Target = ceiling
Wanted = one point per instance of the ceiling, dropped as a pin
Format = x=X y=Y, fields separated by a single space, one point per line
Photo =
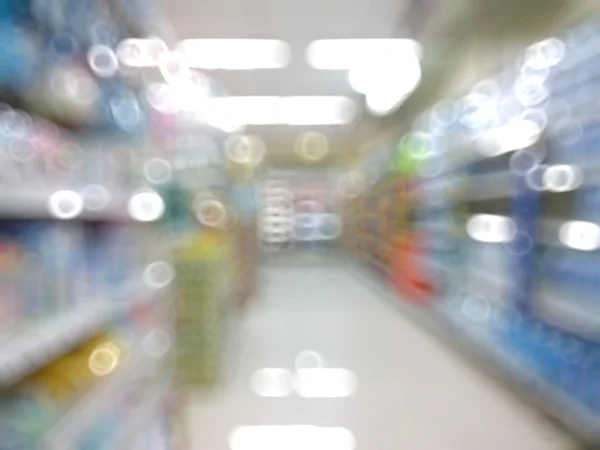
x=444 y=27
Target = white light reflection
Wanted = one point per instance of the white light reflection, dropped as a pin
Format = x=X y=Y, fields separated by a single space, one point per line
x=312 y=146
x=291 y=437
x=174 y=68
x=104 y=359
x=524 y=161
x=232 y=113
x=248 y=150
x=444 y=113
x=65 y=204
x=158 y=171
x=491 y=228
x=579 y=235
x=146 y=206
x=158 y=274
x=544 y=54
x=161 y=97
x=210 y=211
x=316 y=110
x=479 y=112
x=103 y=61
x=531 y=90
x=141 y=52
x=562 y=178
x=344 y=54
x=386 y=82
x=157 y=343
x=235 y=54
x=535 y=177
x=516 y=135
x=325 y=383
x=272 y=382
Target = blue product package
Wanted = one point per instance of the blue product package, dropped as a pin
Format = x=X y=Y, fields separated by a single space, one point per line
x=116 y=255
x=63 y=259
x=63 y=46
x=29 y=235
x=18 y=10
x=94 y=262
x=81 y=16
x=19 y=58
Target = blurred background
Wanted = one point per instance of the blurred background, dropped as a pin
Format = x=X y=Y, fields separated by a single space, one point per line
x=290 y=225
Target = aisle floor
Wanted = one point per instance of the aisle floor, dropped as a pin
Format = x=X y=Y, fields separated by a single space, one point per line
x=412 y=392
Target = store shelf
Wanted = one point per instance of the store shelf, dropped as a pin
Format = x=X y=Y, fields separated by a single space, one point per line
x=547 y=398
x=40 y=342
x=81 y=416
x=143 y=414
x=34 y=203
x=570 y=316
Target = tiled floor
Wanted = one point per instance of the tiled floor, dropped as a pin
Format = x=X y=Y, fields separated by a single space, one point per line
x=412 y=392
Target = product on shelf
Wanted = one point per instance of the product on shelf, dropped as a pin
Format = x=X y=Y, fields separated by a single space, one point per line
x=499 y=210
x=204 y=298
x=29 y=410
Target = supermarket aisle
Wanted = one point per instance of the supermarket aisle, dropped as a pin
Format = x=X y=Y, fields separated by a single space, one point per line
x=412 y=392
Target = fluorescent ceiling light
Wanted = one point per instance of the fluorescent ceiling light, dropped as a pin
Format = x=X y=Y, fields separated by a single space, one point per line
x=291 y=437
x=235 y=54
x=386 y=82
x=174 y=98
x=343 y=54
x=272 y=110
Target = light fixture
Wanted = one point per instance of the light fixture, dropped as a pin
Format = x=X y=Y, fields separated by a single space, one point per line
x=491 y=228
x=273 y=110
x=235 y=54
x=291 y=437
x=343 y=54
x=579 y=235
x=179 y=97
x=386 y=80
x=325 y=383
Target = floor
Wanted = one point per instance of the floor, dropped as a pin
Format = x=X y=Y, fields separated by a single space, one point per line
x=345 y=362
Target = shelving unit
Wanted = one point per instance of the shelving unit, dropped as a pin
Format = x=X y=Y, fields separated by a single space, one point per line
x=65 y=435
x=48 y=203
x=26 y=350
x=514 y=291
x=87 y=233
